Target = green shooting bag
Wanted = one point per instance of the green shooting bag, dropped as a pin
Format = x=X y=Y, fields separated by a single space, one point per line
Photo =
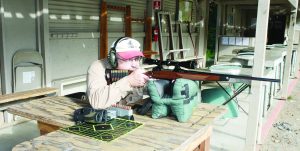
x=179 y=97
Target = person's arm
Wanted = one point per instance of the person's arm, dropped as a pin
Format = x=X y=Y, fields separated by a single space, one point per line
x=99 y=93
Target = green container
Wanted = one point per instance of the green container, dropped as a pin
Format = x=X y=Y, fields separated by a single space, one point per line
x=218 y=96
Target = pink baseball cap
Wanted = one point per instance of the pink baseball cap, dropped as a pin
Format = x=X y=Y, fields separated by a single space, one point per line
x=128 y=48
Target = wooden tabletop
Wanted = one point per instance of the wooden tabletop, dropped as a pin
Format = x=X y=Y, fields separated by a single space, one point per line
x=56 y=110
x=26 y=94
x=155 y=134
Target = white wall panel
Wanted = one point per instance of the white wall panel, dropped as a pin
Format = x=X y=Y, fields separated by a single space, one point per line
x=19 y=31
x=72 y=57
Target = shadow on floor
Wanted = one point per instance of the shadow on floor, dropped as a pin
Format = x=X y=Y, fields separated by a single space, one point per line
x=11 y=136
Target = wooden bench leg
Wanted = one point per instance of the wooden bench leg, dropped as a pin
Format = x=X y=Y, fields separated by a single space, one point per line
x=204 y=146
x=46 y=128
x=204 y=141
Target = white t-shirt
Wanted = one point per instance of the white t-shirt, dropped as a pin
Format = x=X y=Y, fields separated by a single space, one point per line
x=102 y=95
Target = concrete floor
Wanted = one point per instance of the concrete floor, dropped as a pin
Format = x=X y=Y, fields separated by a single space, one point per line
x=284 y=133
x=13 y=135
x=230 y=134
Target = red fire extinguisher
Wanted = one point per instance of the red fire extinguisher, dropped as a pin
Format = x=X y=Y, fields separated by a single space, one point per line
x=155 y=33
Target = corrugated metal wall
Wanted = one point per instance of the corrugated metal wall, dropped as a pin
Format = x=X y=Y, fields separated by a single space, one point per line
x=73 y=15
x=83 y=15
x=170 y=6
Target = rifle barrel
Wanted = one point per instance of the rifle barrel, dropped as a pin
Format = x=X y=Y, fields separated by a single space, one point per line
x=239 y=76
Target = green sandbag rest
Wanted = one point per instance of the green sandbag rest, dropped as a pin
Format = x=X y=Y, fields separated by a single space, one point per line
x=181 y=102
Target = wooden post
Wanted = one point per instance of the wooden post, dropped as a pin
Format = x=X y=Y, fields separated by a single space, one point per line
x=160 y=42
x=297 y=58
x=148 y=36
x=287 y=69
x=255 y=116
x=171 y=43
x=158 y=16
x=201 y=39
x=218 y=30
x=128 y=32
x=44 y=43
x=46 y=128
x=180 y=41
x=103 y=31
x=148 y=31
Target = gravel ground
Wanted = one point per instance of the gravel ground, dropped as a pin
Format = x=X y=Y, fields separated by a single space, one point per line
x=285 y=133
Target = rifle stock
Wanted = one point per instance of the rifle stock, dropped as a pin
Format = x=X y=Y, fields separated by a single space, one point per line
x=171 y=75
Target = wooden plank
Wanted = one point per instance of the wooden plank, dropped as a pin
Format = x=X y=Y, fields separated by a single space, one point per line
x=128 y=31
x=172 y=134
x=160 y=41
x=170 y=30
x=202 y=35
x=199 y=143
x=116 y=8
x=138 y=20
x=180 y=40
x=297 y=58
x=46 y=128
x=148 y=52
x=148 y=37
x=287 y=65
x=255 y=119
x=60 y=140
x=58 y=110
x=103 y=23
x=103 y=31
x=26 y=94
x=55 y=110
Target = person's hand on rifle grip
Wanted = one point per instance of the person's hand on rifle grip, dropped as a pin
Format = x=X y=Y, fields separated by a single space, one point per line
x=137 y=78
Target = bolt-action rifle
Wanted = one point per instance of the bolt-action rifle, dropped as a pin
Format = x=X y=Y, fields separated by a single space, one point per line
x=181 y=71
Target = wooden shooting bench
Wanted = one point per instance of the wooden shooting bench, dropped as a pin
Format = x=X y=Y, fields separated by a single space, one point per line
x=154 y=134
x=7 y=100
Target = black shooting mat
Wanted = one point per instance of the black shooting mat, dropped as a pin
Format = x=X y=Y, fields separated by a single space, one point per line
x=107 y=131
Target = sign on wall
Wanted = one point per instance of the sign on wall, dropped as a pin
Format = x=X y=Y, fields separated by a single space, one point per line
x=156 y=4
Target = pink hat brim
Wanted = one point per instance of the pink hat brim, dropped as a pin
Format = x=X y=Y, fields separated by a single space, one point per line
x=130 y=54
